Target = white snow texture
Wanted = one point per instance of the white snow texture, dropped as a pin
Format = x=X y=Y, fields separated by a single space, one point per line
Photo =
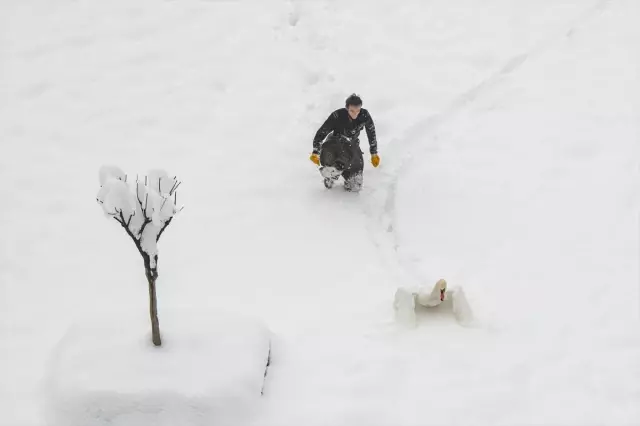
x=508 y=133
x=210 y=371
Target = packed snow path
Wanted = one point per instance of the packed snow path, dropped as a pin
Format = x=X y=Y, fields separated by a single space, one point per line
x=509 y=145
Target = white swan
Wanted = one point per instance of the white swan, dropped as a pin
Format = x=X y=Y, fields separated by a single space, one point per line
x=435 y=297
x=407 y=300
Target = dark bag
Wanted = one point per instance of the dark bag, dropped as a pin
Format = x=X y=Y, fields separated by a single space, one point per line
x=336 y=153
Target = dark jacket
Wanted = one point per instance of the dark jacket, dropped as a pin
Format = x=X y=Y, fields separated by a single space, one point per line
x=340 y=123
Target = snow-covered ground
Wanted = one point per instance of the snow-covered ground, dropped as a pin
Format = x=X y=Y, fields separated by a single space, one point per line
x=509 y=135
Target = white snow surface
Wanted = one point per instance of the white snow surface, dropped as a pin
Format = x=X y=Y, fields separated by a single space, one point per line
x=509 y=143
x=210 y=370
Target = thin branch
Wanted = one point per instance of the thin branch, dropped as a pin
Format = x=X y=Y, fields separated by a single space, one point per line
x=131 y=217
x=143 y=207
x=136 y=241
x=163 y=228
x=121 y=219
x=138 y=194
x=173 y=188
x=147 y=219
x=146 y=204
x=144 y=225
x=115 y=212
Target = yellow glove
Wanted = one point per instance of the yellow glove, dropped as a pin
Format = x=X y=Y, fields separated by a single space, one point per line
x=375 y=160
x=315 y=158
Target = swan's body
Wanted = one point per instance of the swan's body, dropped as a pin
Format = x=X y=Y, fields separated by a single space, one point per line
x=408 y=300
x=435 y=297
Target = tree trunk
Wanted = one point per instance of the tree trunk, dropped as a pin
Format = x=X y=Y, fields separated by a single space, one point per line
x=153 y=309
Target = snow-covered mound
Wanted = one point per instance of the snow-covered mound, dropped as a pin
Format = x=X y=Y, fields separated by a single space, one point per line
x=210 y=370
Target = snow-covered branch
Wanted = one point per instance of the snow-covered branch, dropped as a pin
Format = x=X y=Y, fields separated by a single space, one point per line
x=144 y=207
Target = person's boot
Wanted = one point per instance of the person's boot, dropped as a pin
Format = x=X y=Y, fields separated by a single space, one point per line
x=353 y=183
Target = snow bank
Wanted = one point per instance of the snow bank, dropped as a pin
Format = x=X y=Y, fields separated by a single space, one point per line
x=210 y=370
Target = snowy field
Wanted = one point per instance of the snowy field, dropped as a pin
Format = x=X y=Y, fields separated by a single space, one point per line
x=509 y=137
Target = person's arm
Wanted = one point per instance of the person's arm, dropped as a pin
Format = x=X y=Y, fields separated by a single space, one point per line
x=324 y=130
x=370 y=128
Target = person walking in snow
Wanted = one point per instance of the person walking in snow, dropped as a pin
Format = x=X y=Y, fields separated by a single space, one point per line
x=342 y=148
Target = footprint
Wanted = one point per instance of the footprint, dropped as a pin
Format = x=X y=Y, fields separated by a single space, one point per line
x=294 y=14
x=294 y=18
x=313 y=78
x=35 y=90
x=79 y=41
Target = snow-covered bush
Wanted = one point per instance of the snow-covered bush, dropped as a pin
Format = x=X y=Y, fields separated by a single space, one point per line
x=144 y=209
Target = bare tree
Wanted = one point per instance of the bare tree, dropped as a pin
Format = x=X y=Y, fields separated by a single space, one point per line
x=144 y=210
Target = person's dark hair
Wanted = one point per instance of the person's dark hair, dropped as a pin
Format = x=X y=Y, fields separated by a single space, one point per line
x=353 y=100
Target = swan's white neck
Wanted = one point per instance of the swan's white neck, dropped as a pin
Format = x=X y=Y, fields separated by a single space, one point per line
x=436 y=296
